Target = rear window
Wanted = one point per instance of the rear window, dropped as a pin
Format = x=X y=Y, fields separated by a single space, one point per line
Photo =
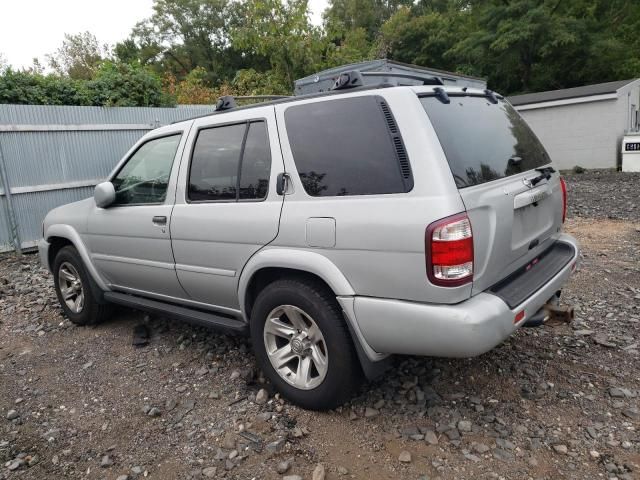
x=483 y=141
x=348 y=146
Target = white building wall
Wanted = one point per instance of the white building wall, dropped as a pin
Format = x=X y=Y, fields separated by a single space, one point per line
x=584 y=134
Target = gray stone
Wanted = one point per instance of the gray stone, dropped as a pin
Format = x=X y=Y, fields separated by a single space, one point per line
x=275 y=446
x=561 y=449
x=452 y=434
x=464 y=426
x=106 y=461
x=504 y=443
x=154 y=412
x=404 y=457
x=503 y=455
x=480 y=447
x=16 y=464
x=262 y=397
x=471 y=457
x=283 y=467
x=430 y=437
x=631 y=413
x=583 y=333
x=12 y=415
x=292 y=477
x=371 y=412
x=209 y=472
x=318 y=472
x=123 y=477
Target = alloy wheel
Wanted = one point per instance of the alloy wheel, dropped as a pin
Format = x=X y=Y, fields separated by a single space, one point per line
x=296 y=347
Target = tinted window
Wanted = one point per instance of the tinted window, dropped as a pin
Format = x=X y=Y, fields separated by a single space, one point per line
x=483 y=141
x=256 y=163
x=344 y=147
x=145 y=176
x=221 y=154
x=214 y=165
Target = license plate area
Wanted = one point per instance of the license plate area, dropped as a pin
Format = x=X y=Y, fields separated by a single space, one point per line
x=532 y=222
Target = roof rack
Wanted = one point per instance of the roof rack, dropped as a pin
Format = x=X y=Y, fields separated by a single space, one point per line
x=230 y=104
x=354 y=78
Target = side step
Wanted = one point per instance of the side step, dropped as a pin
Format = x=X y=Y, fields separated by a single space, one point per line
x=198 y=317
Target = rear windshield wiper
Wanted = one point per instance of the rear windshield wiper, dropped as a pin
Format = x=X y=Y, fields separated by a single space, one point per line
x=545 y=174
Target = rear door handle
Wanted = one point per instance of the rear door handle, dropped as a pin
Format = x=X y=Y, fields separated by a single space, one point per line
x=160 y=220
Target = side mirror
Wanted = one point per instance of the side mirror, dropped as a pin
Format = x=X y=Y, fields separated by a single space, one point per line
x=104 y=194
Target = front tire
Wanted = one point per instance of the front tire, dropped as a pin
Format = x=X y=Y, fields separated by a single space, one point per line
x=74 y=288
x=303 y=345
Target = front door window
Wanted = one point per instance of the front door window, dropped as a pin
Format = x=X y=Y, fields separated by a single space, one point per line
x=145 y=176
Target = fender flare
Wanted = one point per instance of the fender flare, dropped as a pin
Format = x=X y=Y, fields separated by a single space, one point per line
x=69 y=233
x=303 y=260
x=372 y=362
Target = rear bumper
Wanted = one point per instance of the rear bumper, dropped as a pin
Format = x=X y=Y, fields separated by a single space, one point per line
x=466 y=329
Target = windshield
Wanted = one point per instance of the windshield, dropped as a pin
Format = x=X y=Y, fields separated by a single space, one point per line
x=483 y=141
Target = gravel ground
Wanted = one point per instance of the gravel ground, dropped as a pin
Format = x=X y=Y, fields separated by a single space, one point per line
x=550 y=403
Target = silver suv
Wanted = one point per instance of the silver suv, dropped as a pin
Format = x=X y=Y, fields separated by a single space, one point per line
x=335 y=229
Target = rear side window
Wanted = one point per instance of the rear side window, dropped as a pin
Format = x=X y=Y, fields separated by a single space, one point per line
x=483 y=141
x=230 y=162
x=348 y=146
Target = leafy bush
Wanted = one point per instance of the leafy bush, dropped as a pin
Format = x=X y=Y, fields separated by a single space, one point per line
x=114 y=85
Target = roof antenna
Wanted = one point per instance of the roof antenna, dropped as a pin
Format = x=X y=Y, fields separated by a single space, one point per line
x=491 y=95
x=226 y=102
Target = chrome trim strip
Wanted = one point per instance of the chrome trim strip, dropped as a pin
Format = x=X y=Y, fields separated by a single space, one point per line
x=133 y=261
x=206 y=270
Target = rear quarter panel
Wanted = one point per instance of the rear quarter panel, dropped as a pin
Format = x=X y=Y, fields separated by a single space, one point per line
x=379 y=239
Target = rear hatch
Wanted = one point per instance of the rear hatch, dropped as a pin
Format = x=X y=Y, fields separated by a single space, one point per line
x=512 y=194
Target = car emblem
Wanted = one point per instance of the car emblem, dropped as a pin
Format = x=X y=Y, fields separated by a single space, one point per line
x=527 y=182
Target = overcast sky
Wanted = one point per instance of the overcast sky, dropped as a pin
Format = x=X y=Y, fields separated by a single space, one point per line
x=33 y=28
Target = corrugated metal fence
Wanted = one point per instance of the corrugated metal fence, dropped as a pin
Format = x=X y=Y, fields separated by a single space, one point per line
x=52 y=155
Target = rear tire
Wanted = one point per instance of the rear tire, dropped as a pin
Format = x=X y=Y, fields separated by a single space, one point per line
x=75 y=289
x=303 y=345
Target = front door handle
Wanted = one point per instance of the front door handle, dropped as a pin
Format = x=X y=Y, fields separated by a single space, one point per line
x=160 y=220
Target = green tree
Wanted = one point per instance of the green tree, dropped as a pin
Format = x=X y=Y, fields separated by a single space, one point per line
x=126 y=85
x=79 y=56
x=281 y=32
x=522 y=45
x=182 y=35
x=342 y=16
x=425 y=38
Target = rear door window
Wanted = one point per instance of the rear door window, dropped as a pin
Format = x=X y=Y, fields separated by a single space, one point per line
x=230 y=163
x=483 y=141
x=348 y=146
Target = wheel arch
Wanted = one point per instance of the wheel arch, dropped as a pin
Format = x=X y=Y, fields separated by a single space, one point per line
x=268 y=265
x=58 y=236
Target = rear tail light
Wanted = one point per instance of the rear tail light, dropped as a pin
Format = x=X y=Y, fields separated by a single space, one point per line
x=563 y=186
x=449 y=251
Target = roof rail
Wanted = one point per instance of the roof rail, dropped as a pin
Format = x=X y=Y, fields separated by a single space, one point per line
x=411 y=76
x=227 y=102
x=355 y=78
